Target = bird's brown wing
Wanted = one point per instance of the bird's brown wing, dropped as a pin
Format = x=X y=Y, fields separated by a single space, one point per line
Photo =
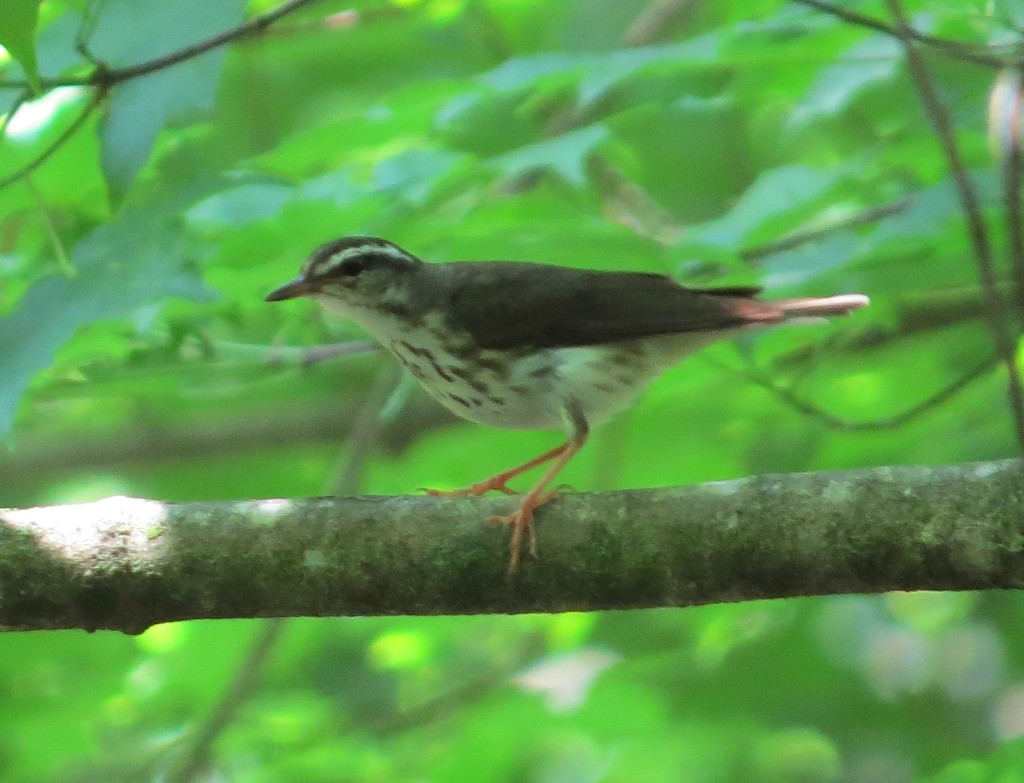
x=508 y=304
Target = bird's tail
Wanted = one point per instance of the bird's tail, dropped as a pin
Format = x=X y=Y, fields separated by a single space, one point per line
x=841 y=304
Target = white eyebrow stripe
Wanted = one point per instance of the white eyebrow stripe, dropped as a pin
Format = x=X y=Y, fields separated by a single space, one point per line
x=332 y=262
x=394 y=252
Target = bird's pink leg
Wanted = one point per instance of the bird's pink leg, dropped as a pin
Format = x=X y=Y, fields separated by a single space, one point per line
x=499 y=481
x=521 y=519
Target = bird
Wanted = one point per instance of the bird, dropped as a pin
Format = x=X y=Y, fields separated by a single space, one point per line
x=521 y=345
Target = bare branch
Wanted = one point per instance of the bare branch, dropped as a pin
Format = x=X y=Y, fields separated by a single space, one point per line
x=798 y=238
x=657 y=17
x=104 y=76
x=242 y=686
x=196 y=754
x=836 y=422
x=955 y=49
x=55 y=145
x=127 y=563
x=996 y=311
x=1005 y=117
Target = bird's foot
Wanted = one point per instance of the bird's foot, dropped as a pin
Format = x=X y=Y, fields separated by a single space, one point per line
x=499 y=481
x=521 y=521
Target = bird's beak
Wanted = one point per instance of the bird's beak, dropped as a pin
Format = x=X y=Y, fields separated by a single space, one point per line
x=290 y=290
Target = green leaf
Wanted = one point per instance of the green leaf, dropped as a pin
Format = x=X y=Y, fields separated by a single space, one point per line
x=241 y=205
x=54 y=50
x=874 y=59
x=690 y=155
x=933 y=208
x=796 y=266
x=119 y=267
x=776 y=192
x=414 y=173
x=140 y=108
x=1011 y=11
x=17 y=34
x=598 y=72
x=566 y=154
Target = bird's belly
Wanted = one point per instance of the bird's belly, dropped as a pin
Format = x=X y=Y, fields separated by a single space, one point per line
x=532 y=389
x=485 y=387
x=605 y=379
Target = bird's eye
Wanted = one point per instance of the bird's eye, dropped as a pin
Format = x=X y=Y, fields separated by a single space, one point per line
x=351 y=267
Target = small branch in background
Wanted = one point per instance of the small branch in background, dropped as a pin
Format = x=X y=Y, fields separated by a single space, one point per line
x=954 y=49
x=281 y=355
x=611 y=452
x=799 y=238
x=1013 y=175
x=366 y=430
x=486 y=27
x=1006 y=135
x=478 y=686
x=197 y=755
x=200 y=437
x=56 y=144
x=923 y=311
x=23 y=97
x=340 y=20
x=995 y=308
x=630 y=205
x=255 y=25
x=318 y=353
x=831 y=420
x=103 y=76
x=653 y=21
x=61 y=253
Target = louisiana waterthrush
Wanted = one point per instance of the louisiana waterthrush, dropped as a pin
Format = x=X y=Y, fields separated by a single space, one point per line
x=532 y=346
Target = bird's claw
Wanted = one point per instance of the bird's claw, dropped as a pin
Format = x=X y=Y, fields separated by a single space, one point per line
x=521 y=521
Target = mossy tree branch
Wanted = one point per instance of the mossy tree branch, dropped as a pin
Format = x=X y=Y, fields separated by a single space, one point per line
x=126 y=563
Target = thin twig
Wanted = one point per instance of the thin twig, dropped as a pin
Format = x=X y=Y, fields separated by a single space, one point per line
x=627 y=203
x=361 y=441
x=656 y=17
x=63 y=262
x=318 y=353
x=22 y=98
x=247 y=679
x=476 y=687
x=55 y=145
x=104 y=76
x=1013 y=173
x=798 y=238
x=304 y=357
x=946 y=46
x=835 y=422
x=366 y=429
x=995 y=307
x=1008 y=146
x=255 y=25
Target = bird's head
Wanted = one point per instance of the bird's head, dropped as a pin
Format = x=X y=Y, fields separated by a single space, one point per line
x=353 y=274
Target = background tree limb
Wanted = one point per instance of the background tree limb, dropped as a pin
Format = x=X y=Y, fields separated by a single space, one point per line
x=126 y=563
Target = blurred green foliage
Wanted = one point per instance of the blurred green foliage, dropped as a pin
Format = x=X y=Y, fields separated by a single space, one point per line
x=727 y=142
